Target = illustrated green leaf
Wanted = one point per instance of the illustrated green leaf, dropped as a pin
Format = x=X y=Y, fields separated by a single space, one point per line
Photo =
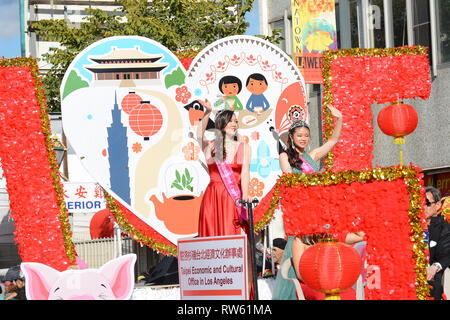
x=177 y=174
x=176 y=185
x=176 y=78
x=184 y=181
x=186 y=172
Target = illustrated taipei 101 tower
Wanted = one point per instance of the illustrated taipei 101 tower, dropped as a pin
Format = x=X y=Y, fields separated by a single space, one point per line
x=118 y=155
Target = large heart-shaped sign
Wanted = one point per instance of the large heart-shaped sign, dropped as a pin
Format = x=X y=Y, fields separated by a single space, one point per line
x=130 y=112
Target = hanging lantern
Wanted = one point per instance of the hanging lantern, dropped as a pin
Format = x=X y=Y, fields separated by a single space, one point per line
x=130 y=101
x=101 y=225
x=398 y=120
x=145 y=120
x=330 y=267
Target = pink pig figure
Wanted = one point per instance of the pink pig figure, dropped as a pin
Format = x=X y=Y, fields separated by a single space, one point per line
x=113 y=281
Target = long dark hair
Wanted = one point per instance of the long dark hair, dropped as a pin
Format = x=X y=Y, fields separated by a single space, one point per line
x=223 y=117
x=293 y=155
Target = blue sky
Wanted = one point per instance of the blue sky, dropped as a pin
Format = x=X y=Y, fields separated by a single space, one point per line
x=9 y=29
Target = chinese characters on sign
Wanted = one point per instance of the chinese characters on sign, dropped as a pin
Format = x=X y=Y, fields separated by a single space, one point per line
x=84 y=197
x=213 y=268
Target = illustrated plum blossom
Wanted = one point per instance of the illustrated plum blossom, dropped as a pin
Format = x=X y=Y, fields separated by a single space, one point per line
x=255 y=188
x=251 y=59
x=137 y=147
x=182 y=94
x=221 y=65
x=277 y=75
x=235 y=59
x=191 y=151
x=266 y=64
x=209 y=76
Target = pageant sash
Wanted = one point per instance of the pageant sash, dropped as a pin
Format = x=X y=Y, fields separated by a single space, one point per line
x=226 y=173
x=306 y=166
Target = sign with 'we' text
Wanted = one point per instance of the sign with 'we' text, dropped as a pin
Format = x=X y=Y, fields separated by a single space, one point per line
x=314 y=31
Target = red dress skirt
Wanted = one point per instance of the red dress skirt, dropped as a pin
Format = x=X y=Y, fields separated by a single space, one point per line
x=218 y=215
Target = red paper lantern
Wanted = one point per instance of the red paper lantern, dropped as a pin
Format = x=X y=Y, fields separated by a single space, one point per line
x=130 y=101
x=330 y=267
x=398 y=120
x=145 y=120
x=101 y=225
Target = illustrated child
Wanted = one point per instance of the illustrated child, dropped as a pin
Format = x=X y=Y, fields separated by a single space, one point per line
x=257 y=84
x=230 y=86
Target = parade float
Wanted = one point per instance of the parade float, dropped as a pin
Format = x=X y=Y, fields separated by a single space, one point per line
x=128 y=107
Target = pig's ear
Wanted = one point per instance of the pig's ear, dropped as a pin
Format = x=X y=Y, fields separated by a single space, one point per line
x=39 y=279
x=120 y=275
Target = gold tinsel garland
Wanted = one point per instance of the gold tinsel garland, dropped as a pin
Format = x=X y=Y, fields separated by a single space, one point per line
x=328 y=178
x=188 y=53
x=329 y=57
x=134 y=232
x=41 y=99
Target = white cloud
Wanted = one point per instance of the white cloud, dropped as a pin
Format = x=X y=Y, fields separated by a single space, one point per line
x=9 y=19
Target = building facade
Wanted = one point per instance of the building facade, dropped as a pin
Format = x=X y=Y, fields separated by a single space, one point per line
x=385 y=24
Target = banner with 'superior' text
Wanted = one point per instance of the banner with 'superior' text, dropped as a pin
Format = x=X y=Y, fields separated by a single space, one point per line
x=213 y=268
x=314 y=31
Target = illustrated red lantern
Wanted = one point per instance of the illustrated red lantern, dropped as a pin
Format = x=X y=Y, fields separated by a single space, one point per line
x=398 y=120
x=145 y=120
x=330 y=267
x=130 y=101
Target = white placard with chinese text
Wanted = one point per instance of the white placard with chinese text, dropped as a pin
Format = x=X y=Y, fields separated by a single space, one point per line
x=213 y=268
x=83 y=197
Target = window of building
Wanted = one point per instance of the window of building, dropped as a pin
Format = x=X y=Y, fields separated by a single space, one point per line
x=400 y=27
x=421 y=22
x=377 y=25
x=381 y=23
x=444 y=31
x=355 y=24
x=421 y=25
x=279 y=24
